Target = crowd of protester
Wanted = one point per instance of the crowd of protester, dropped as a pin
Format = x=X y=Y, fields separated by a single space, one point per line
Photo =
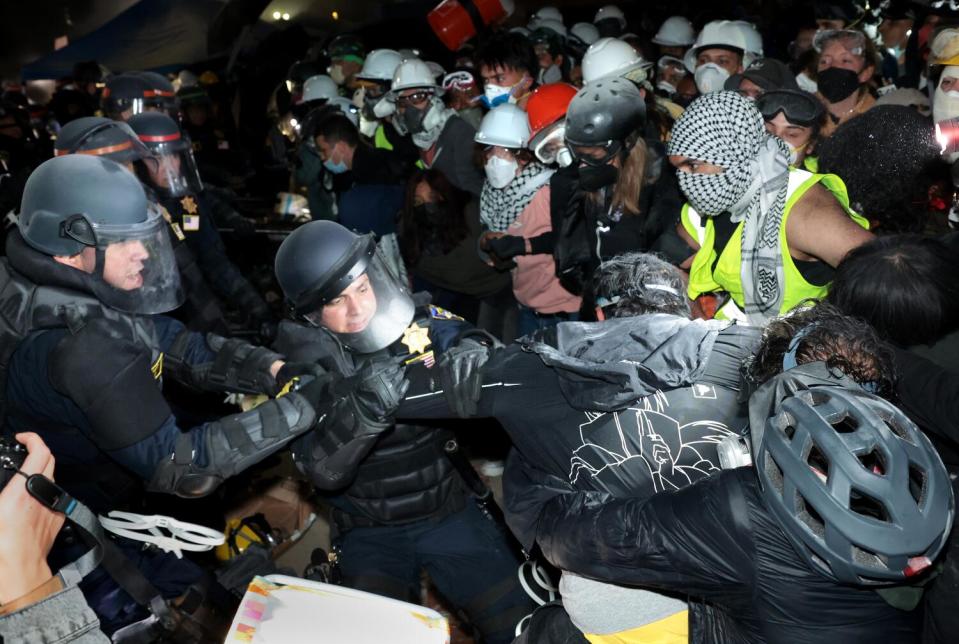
x=706 y=270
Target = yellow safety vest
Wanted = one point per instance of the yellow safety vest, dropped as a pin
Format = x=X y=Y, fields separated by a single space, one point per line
x=706 y=275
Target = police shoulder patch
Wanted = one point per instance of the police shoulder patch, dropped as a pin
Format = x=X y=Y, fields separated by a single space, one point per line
x=438 y=313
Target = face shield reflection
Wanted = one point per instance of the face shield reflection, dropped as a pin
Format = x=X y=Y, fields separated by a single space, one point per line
x=174 y=170
x=136 y=266
x=371 y=311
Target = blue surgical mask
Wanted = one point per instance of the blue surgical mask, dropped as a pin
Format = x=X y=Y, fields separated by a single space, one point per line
x=335 y=168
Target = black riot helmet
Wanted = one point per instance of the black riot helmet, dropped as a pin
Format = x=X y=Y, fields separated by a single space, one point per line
x=98 y=136
x=321 y=262
x=75 y=202
x=125 y=95
x=160 y=94
x=608 y=113
x=175 y=173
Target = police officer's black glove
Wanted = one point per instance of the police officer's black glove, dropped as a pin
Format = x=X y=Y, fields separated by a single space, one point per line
x=460 y=370
x=507 y=247
x=376 y=393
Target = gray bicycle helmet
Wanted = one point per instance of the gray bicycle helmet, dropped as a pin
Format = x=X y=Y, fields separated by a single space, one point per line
x=605 y=113
x=857 y=488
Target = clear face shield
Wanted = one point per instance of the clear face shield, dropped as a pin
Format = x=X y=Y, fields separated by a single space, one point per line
x=135 y=268
x=366 y=308
x=549 y=145
x=174 y=173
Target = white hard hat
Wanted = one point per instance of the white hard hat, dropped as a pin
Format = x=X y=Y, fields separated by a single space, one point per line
x=676 y=31
x=585 y=31
x=611 y=11
x=555 y=26
x=547 y=13
x=754 y=41
x=718 y=33
x=410 y=74
x=520 y=30
x=319 y=87
x=346 y=106
x=610 y=58
x=505 y=125
x=380 y=65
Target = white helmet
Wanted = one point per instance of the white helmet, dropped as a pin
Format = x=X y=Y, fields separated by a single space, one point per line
x=718 y=33
x=676 y=31
x=346 y=106
x=319 y=87
x=584 y=31
x=380 y=65
x=555 y=26
x=547 y=13
x=754 y=41
x=410 y=74
x=523 y=31
x=506 y=126
x=611 y=11
x=611 y=58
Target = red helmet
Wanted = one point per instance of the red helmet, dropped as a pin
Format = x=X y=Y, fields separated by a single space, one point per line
x=547 y=105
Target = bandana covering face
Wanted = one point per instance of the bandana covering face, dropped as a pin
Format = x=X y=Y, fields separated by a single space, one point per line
x=726 y=129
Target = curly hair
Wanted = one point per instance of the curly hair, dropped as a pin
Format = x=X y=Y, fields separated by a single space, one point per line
x=887 y=158
x=843 y=342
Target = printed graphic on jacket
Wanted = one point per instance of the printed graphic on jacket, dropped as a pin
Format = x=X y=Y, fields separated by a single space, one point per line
x=647 y=437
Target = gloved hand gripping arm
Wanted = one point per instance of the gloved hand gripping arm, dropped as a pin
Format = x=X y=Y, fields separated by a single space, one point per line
x=352 y=414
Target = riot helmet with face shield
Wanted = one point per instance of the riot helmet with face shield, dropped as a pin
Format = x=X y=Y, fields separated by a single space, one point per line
x=93 y=212
x=335 y=279
x=174 y=174
x=125 y=95
x=98 y=136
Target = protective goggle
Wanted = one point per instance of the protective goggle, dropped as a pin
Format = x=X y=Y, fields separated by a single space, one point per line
x=799 y=108
x=182 y=535
x=853 y=40
x=586 y=153
x=416 y=99
x=551 y=148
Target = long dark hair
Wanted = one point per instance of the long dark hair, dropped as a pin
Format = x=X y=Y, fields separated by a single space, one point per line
x=418 y=236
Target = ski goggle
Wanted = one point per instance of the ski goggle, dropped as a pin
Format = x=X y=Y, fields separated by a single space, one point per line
x=799 y=108
x=587 y=154
x=853 y=40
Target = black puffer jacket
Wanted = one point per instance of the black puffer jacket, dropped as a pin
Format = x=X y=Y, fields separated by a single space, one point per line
x=715 y=540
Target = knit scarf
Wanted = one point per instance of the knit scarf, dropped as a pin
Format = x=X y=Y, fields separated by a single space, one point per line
x=725 y=129
x=499 y=207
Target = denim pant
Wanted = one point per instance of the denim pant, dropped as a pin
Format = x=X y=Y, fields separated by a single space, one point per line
x=530 y=320
x=467 y=555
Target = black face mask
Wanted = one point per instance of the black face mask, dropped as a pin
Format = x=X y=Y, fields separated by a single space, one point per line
x=430 y=213
x=413 y=118
x=836 y=84
x=593 y=178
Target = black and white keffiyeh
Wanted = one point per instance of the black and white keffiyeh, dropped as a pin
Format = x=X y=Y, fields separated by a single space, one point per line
x=725 y=129
x=499 y=207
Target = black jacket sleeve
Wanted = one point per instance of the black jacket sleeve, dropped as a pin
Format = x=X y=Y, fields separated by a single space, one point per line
x=691 y=541
x=929 y=394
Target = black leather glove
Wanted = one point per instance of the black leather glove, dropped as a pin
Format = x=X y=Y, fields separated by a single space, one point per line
x=376 y=393
x=460 y=371
x=507 y=247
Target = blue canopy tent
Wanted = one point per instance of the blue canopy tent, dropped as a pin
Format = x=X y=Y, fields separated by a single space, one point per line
x=162 y=35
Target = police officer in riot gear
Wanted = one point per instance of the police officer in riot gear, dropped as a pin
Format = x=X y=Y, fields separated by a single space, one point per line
x=399 y=502
x=83 y=351
x=172 y=176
